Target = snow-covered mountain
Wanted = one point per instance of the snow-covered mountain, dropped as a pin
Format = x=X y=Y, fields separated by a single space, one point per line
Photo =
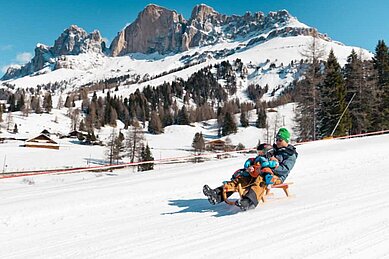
x=160 y=41
x=73 y=41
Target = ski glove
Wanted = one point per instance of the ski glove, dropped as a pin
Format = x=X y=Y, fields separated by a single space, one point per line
x=271 y=164
x=261 y=160
x=268 y=179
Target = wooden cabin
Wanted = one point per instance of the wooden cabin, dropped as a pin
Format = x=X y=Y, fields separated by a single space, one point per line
x=216 y=145
x=42 y=141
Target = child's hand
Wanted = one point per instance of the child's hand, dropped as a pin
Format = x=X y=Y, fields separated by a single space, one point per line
x=250 y=169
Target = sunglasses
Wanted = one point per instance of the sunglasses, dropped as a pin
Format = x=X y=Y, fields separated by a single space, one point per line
x=279 y=139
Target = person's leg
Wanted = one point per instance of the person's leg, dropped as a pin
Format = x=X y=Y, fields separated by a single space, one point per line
x=254 y=194
x=215 y=196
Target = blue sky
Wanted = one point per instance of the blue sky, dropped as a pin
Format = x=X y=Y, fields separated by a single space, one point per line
x=24 y=23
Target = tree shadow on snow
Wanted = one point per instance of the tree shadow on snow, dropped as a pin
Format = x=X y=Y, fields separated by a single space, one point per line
x=95 y=161
x=202 y=206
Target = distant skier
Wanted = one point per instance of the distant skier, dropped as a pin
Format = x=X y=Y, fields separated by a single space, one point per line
x=271 y=166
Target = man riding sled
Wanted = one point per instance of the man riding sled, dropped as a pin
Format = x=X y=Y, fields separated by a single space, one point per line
x=271 y=166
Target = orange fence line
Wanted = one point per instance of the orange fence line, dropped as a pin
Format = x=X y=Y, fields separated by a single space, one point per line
x=123 y=165
x=161 y=161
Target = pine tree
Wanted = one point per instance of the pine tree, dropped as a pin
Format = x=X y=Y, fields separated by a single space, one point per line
x=47 y=103
x=118 y=147
x=155 y=124
x=100 y=113
x=20 y=103
x=370 y=97
x=146 y=156
x=91 y=117
x=244 y=121
x=38 y=108
x=356 y=93
x=229 y=125
x=60 y=102
x=167 y=119
x=12 y=103
x=182 y=117
x=262 y=117
x=332 y=100
x=304 y=111
x=1 y=112
x=381 y=64
x=198 y=143
x=68 y=102
x=113 y=118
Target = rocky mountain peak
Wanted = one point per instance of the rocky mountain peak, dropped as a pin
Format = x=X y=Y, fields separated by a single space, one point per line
x=153 y=9
x=72 y=41
x=202 y=12
x=156 y=29
x=75 y=40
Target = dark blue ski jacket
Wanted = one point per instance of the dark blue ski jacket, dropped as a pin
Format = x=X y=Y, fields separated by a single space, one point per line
x=286 y=158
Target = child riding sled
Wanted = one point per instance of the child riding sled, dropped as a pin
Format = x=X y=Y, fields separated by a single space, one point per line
x=271 y=166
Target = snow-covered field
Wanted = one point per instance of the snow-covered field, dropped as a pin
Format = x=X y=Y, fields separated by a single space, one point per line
x=175 y=142
x=339 y=209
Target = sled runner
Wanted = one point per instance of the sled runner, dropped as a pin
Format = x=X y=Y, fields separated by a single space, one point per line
x=240 y=190
x=283 y=186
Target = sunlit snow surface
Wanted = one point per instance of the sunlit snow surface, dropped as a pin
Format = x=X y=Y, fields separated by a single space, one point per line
x=338 y=209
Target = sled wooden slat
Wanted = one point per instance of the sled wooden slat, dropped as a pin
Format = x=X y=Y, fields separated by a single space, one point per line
x=224 y=194
x=283 y=186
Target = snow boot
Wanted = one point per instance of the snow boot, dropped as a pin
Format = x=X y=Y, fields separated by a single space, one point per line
x=245 y=204
x=211 y=194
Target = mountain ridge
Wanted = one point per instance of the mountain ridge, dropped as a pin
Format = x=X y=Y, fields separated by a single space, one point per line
x=160 y=30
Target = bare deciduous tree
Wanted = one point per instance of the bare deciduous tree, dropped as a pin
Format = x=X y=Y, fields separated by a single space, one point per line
x=313 y=52
x=134 y=141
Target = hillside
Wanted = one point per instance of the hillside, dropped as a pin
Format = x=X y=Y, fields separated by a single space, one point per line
x=338 y=209
x=175 y=142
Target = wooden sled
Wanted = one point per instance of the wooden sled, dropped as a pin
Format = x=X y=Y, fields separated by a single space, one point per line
x=224 y=194
x=283 y=186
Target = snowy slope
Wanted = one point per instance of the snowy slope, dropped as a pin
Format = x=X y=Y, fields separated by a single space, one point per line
x=92 y=67
x=339 y=209
x=175 y=142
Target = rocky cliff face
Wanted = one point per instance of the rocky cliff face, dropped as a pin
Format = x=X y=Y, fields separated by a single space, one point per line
x=160 y=30
x=203 y=27
x=155 y=30
x=72 y=41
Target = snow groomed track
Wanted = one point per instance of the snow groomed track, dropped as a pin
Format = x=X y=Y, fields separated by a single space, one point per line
x=339 y=209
